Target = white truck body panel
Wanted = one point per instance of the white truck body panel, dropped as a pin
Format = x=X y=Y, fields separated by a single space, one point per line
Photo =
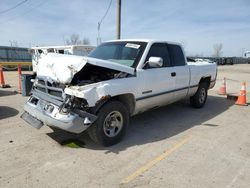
x=177 y=88
x=149 y=88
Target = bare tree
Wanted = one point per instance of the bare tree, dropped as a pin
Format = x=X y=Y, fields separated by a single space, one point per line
x=85 y=41
x=75 y=40
x=218 y=50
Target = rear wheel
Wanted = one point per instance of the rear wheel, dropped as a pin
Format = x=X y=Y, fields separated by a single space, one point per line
x=110 y=126
x=200 y=97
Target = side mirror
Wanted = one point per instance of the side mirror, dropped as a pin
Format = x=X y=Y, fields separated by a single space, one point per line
x=155 y=62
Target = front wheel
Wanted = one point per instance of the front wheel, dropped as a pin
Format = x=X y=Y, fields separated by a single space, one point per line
x=200 y=97
x=110 y=126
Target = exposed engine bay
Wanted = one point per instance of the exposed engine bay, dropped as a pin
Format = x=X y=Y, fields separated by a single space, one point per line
x=93 y=74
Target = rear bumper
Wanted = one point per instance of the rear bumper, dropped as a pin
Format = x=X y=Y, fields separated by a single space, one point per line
x=42 y=112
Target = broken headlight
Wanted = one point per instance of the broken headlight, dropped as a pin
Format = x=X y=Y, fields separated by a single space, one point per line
x=72 y=103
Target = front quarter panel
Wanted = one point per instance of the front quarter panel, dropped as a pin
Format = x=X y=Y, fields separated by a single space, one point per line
x=94 y=92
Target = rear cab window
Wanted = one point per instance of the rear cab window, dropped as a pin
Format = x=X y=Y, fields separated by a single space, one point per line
x=176 y=55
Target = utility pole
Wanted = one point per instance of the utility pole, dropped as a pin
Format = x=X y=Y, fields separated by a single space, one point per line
x=242 y=52
x=98 y=34
x=118 y=34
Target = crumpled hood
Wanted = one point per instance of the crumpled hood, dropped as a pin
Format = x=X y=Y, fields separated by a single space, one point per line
x=62 y=68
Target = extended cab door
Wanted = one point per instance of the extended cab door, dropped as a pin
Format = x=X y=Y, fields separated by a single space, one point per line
x=181 y=69
x=157 y=84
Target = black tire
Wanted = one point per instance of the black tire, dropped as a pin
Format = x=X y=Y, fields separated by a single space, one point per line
x=106 y=129
x=200 y=97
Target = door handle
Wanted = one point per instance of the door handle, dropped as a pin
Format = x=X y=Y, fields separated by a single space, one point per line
x=173 y=74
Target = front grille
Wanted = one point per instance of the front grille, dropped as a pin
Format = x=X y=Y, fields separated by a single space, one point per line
x=50 y=88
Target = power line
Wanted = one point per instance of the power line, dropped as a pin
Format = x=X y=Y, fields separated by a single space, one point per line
x=15 y=6
x=99 y=23
x=106 y=12
x=27 y=12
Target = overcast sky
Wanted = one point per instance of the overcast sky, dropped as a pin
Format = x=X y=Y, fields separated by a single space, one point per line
x=198 y=24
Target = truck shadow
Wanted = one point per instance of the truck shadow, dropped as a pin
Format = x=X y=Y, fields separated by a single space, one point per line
x=7 y=93
x=156 y=125
x=6 y=112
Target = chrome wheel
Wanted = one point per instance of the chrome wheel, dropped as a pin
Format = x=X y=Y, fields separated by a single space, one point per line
x=202 y=96
x=113 y=124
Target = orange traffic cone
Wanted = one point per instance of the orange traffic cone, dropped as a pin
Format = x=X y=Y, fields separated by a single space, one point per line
x=19 y=70
x=242 y=99
x=2 y=82
x=222 y=90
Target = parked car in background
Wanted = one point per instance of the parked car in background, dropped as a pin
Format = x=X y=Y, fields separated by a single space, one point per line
x=198 y=59
x=202 y=60
x=247 y=57
x=225 y=61
x=247 y=54
x=209 y=61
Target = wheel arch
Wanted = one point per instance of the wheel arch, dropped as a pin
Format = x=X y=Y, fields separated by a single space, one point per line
x=128 y=100
x=205 y=79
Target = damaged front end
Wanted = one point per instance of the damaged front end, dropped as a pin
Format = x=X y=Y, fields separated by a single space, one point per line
x=53 y=100
x=49 y=105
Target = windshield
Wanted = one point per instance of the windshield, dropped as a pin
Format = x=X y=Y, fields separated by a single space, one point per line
x=124 y=53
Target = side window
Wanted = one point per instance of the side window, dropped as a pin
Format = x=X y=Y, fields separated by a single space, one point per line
x=176 y=55
x=159 y=50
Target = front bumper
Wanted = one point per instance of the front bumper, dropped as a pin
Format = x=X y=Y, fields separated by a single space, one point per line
x=42 y=112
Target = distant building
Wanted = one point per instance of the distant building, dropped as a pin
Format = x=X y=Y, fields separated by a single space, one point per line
x=247 y=54
x=14 y=54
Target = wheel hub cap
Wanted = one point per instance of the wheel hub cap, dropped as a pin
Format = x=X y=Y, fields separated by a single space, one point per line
x=113 y=124
x=202 y=95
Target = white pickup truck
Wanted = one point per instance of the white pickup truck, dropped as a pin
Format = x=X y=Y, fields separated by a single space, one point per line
x=117 y=80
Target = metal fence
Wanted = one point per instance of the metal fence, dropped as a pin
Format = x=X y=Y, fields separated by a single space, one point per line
x=14 y=54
